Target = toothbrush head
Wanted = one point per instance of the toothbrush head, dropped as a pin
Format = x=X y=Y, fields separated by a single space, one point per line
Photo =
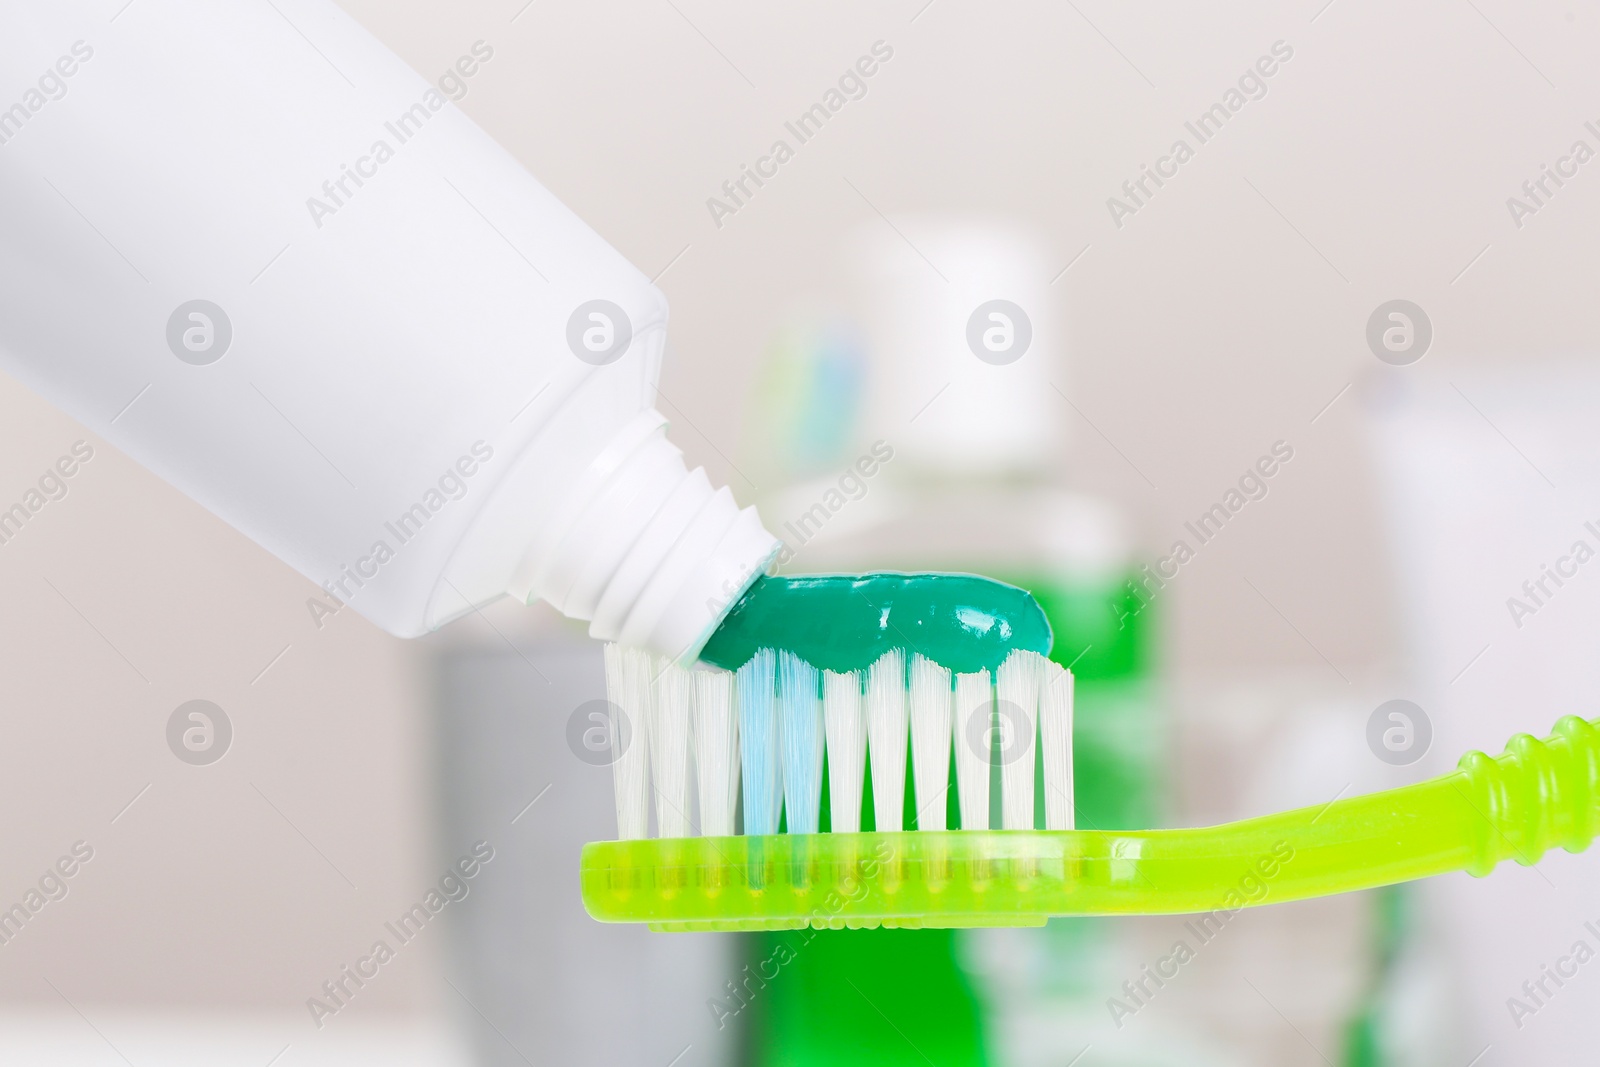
x=758 y=739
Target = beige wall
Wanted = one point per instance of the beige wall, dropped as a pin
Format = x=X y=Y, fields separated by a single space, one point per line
x=124 y=600
x=1222 y=317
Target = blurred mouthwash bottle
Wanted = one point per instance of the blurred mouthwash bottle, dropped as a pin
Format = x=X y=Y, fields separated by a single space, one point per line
x=886 y=997
x=973 y=431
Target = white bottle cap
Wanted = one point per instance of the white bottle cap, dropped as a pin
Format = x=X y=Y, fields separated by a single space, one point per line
x=644 y=548
x=963 y=408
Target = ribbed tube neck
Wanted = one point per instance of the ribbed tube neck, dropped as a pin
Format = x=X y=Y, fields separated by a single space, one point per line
x=645 y=549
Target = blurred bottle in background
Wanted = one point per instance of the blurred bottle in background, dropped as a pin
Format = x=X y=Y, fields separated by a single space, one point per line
x=533 y=979
x=930 y=436
x=1488 y=473
x=969 y=383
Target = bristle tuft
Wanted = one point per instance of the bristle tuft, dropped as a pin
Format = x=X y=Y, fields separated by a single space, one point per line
x=973 y=726
x=931 y=699
x=755 y=691
x=845 y=716
x=800 y=726
x=886 y=739
x=763 y=732
x=671 y=708
x=1017 y=701
x=716 y=751
x=1055 y=737
x=628 y=692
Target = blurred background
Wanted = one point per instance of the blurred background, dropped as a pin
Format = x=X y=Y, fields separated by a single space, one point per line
x=1357 y=272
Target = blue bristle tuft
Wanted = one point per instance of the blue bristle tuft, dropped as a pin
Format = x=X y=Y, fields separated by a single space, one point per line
x=755 y=684
x=800 y=725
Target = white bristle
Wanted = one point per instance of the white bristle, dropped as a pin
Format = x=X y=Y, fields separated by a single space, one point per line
x=1055 y=737
x=628 y=690
x=800 y=726
x=974 y=714
x=1017 y=700
x=930 y=740
x=754 y=689
x=716 y=751
x=669 y=747
x=846 y=722
x=765 y=728
x=886 y=739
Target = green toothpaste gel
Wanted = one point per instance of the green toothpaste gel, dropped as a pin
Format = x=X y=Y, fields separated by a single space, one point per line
x=844 y=622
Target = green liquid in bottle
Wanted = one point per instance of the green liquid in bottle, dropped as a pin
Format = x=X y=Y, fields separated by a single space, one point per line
x=845 y=622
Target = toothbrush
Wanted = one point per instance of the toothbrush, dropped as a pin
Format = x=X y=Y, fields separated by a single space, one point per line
x=1536 y=796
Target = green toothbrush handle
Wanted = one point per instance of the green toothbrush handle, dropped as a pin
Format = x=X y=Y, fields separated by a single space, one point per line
x=1536 y=796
